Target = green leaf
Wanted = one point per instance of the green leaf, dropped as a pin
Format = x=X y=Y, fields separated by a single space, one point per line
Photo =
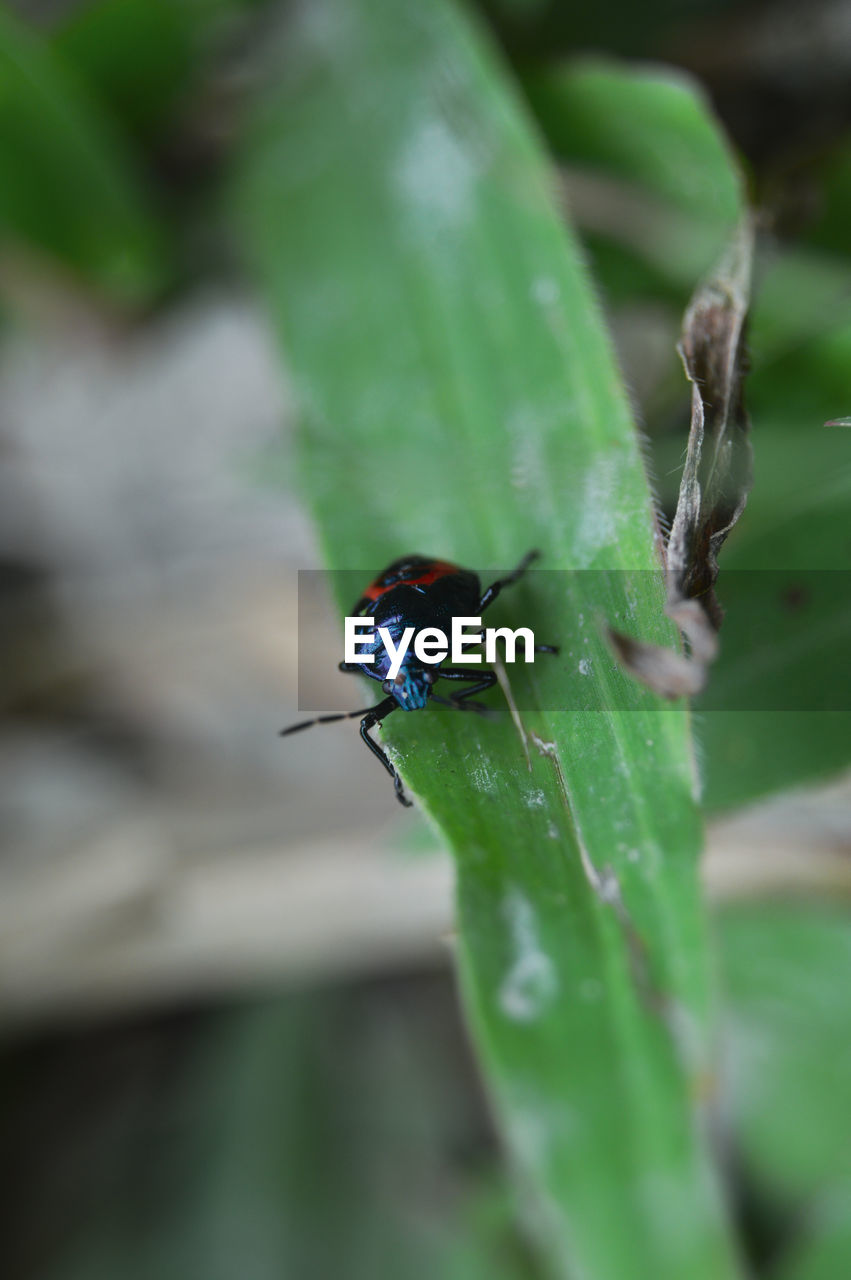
x=788 y=1037
x=68 y=184
x=459 y=398
x=789 y=1042
x=666 y=185
x=833 y=177
x=651 y=126
x=312 y=1135
x=665 y=182
x=802 y=297
x=823 y=1251
x=137 y=55
x=144 y=59
x=777 y=711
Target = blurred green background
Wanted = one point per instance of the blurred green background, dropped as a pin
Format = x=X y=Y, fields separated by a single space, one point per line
x=232 y=1043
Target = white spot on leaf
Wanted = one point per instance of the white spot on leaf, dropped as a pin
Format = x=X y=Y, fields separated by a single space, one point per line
x=605 y=509
x=483 y=780
x=530 y=984
x=545 y=290
x=436 y=174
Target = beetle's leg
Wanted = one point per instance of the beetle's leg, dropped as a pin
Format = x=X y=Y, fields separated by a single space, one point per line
x=343 y=715
x=478 y=682
x=479 y=707
x=372 y=718
x=495 y=587
x=539 y=648
x=349 y=666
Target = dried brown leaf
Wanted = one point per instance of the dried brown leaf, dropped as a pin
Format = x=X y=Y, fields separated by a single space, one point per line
x=716 y=478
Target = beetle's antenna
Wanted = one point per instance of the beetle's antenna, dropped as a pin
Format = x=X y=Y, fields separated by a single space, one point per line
x=308 y=724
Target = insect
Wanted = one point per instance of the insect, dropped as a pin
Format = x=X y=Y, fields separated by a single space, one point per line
x=419 y=592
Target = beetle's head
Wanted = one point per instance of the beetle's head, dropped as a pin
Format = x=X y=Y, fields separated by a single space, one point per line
x=412 y=686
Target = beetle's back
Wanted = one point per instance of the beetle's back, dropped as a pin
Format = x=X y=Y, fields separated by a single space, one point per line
x=417 y=592
x=450 y=589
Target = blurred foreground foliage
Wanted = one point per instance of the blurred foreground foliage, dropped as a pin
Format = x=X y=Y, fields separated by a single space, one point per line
x=119 y=124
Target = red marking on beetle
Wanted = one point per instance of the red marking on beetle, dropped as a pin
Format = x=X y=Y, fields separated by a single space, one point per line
x=418 y=576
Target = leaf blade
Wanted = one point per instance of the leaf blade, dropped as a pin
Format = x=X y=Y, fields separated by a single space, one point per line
x=69 y=185
x=426 y=277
